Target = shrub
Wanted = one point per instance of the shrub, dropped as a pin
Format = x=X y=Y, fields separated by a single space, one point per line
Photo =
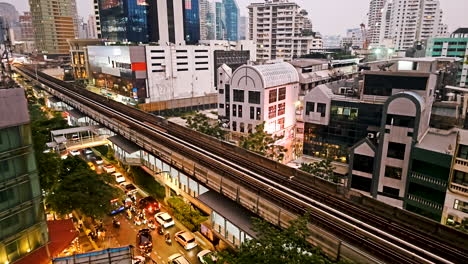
x=191 y=218
x=147 y=182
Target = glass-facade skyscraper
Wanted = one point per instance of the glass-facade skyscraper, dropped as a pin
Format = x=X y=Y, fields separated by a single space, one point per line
x=23 y=225
x=191 y=21
x=231 y=11
x=220 y=21
x=124 y=20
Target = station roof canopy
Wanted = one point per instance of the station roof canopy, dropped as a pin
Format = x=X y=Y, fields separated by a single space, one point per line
x=233 y=212
x=54 y=99
x=73 y=130
x=60 y=139
x=124 y=144
x=76 y=114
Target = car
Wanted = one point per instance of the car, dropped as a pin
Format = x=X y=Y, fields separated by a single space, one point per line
x=91 y=166
x=98 y=160
x=138 y=260
x=177 y=259
x=88 y=151
x=130 y=188
x=119 y=178
x=117 y=207
x=164 y=219
x=144 y=241
x=75 y=137
x=149 y=204
x=75 y=152
x=109 y=168
x=207 y=254
x=186 y=239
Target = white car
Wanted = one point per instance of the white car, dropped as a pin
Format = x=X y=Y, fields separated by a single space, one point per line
x=75 y=152
x=119 y=178
x=207 y=254
x=109 y=168
x=186 y=239
x=177 y=259
x=164 y=219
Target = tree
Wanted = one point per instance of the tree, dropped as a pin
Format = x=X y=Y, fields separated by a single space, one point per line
x=322 y=169
x=79 y=188
x=201 y=123
x=274 y=245
x=263 y=143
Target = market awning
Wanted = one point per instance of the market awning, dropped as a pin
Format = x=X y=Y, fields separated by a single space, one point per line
x=124 y=144
x=61 y=234
x=233 y=212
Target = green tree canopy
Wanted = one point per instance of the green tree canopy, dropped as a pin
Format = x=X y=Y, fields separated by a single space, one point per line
x=201 y=123
x=274 y=245
x=263 y=143
x=79 y=188
x=322 y=169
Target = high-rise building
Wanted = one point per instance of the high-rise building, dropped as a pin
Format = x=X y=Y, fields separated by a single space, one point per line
x=454 y=46
x=231 y=10
x=9 y=12
x=92 y=27
x=277 y=27
x=221 y=29
x=354 y=38
x=207 y=20
x=243 y=27
x=22 y=220
x=27 y=30
x=407 y=21
x=166 y=21
x=124 y=21
x=376 y=8
x=191 y=21
x=54 y=22
x=83 y=32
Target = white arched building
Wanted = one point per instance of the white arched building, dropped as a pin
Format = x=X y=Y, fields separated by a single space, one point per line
x=259 y=93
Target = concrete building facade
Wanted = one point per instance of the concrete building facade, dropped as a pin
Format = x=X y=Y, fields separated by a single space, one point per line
x=376 y=8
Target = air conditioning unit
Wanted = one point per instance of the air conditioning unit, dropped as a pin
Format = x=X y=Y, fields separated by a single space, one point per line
x=370 y=135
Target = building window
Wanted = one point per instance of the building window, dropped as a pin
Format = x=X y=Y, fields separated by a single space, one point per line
x=463 y=152
x=321 y=108
x=272 y=111
x=390 y=192
x=238 y=95
x=259 y=112
x=272 y=95
x=282 y=94
x=281 y=109
x=393 y=172
x=234 y=110
x=281 y=123
x=254 y=97
x=344 y=113
x=310 y=107
x=239 y=113
x=242 y=128
x=361 y=183
x=396 y=150
x=234 y=126
x=221 y=91
x=401 y=121
x=249 y=128
x=363 y=163
x=252 y=112
x=221 y=105
x=460 y=206
x=460 y=177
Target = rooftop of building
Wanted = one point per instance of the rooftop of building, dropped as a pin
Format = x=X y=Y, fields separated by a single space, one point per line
x=438 y=140
x=302 y=63
x=277 y=74
x=13 y=108
x=461 y=30
x=398 y=73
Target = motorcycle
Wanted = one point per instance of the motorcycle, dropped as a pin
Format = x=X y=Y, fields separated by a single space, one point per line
x=116 y=223
x=167 y=238
x=160 y=230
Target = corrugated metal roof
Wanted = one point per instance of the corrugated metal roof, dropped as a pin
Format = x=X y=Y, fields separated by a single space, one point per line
x=277 y=74
x=124 y=144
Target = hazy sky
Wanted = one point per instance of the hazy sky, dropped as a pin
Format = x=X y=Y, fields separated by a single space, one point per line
x=328 y=16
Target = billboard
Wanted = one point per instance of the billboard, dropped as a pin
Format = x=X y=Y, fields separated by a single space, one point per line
x=122 y=255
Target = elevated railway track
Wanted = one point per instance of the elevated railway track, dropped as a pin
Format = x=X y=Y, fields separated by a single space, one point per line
x=387 y=239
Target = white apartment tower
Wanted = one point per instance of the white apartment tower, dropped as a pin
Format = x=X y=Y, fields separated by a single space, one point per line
x=376 y=9
x=407 y=21
x=277 y=26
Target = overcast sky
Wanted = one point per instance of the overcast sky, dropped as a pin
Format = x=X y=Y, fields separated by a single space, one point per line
x=328 y=16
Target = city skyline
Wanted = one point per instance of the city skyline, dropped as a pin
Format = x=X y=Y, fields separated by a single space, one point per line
x=454 y=14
